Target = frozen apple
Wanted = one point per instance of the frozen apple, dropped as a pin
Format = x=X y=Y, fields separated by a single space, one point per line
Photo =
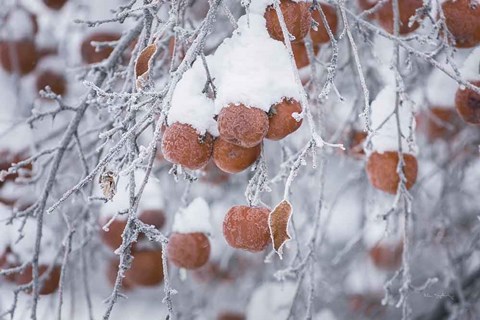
x=382 y=170
x=300 y=54
x=232 y=158
x=407 y=9
x=281 y=122
x=18 y=56
x=439 y=123
x=366 y=4
x=154 y=217
x=113 y=237
x=111 y=273
x=188 y=250
x=467 y=103
x=213 y=175
x=297 y=19
x=90 y=54
x=230 y=315
x=54 y=80
x=55 y=4
x=355 y=143
x=242 y=125
x=368 y=304
x=50 y=284
x=247 y=228
x=320 y=35
x=181 y=144
x=146 y=268
x=463 y=22
x=7 y=158
x=387 y=256
x=5 y=263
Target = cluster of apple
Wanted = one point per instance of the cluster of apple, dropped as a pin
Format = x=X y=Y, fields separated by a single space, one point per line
x=241 y=129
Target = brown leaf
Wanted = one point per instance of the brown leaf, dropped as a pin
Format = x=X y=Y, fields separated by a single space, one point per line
x=108 y=185
x=278 y=224
x=141 y=66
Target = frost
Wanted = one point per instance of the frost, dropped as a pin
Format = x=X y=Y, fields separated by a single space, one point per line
x=194 y=218
x=254 y=69
x=236 y=67
x=190 y=105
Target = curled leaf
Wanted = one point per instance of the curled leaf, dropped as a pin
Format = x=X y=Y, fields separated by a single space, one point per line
x=142 y=64
x=278 y=224
x=108 y=184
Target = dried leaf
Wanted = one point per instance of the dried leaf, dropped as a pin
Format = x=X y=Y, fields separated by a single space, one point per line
x=278 y=224
x=143 y=60
x=108 y=185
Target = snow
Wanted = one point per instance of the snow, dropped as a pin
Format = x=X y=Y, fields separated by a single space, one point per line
x=152 y=197
x=259 y=6
x=194 y=218
x=441 y=90
x=471 y=67
x=235 y=68
x=384 y=123
x=240 y=60
x=272 y=300
x=190 y=105
x=25 y=248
